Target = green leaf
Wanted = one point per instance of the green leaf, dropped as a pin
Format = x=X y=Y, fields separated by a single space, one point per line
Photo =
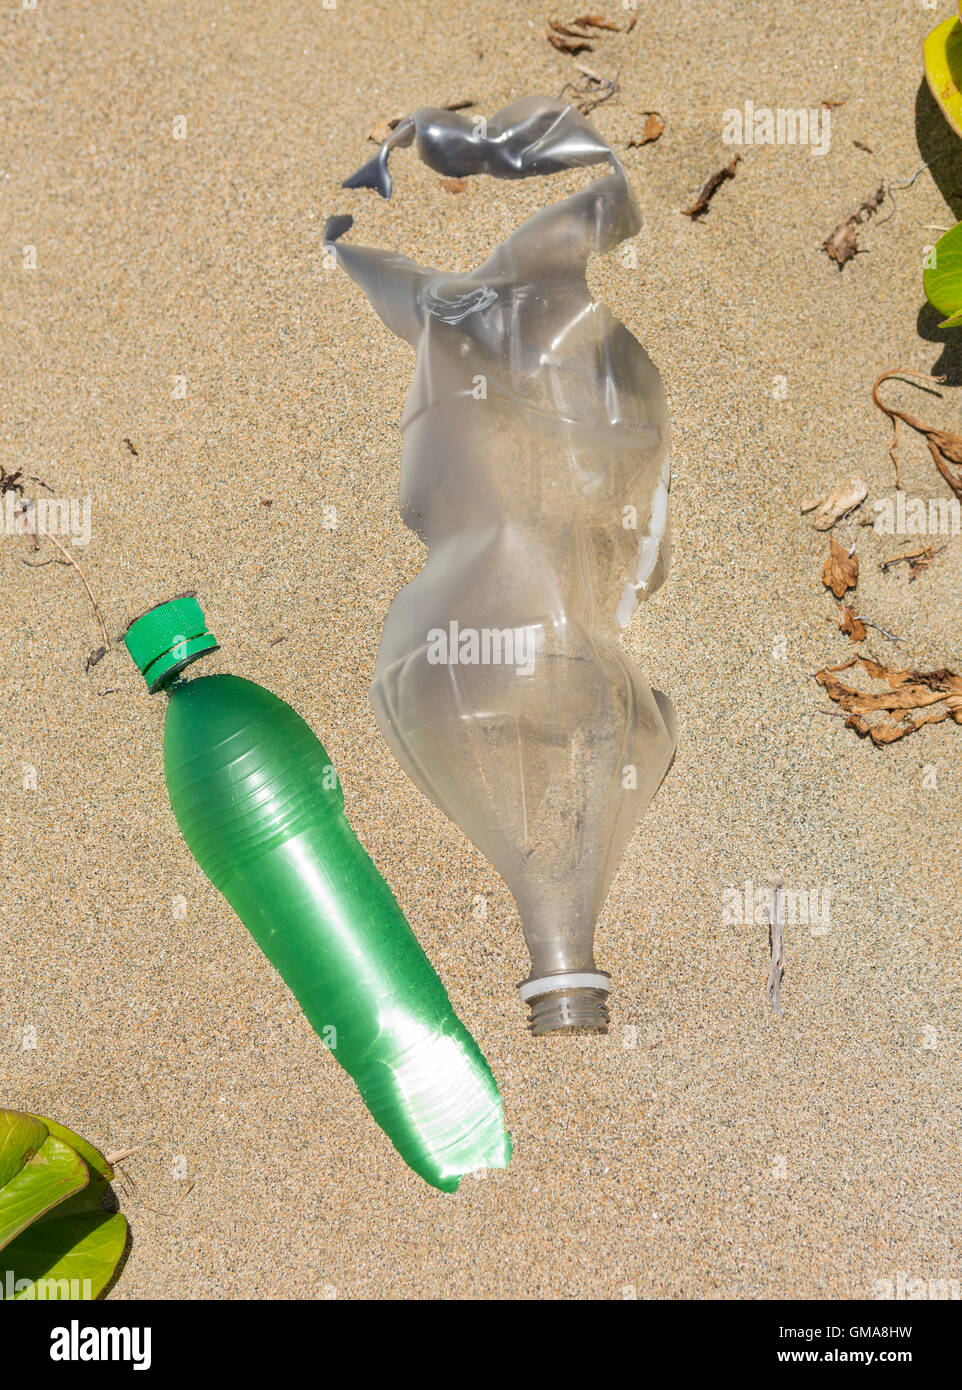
x=20 y=1138
x=101 y=1173
x=55 y=1172
x=52 y=1226
x=943 y=278
x=83 y=1249
x=942 y=56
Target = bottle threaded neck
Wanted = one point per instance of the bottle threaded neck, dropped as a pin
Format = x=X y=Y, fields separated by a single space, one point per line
x=569 y=1008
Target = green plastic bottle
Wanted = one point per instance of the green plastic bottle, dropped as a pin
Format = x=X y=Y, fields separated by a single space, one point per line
x=262 y=811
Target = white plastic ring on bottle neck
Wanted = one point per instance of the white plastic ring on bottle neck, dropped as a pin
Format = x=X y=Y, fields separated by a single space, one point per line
x=572 y=979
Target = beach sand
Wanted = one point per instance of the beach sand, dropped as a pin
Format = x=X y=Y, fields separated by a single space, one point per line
x=705 y=1147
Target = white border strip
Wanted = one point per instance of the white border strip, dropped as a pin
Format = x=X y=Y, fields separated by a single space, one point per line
x=574 y=979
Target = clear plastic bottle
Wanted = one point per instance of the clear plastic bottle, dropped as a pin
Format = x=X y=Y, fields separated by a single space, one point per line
x=535 y=468
x=260 y=806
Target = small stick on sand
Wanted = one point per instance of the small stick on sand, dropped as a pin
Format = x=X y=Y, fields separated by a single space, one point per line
x=700 y=206
x=890 y=636
x=925 y=553
x=776 y=944
x=121 y=1154
x=896 y=415
x=70 y=560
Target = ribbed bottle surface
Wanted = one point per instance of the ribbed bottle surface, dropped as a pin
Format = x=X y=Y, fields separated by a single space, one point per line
x=259 y=805
x=244 y=772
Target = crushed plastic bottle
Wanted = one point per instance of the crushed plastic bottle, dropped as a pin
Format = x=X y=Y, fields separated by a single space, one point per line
x=535 y=468
x=262 y=811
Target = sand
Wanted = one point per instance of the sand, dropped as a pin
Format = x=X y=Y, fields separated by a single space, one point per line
x=705 y=1147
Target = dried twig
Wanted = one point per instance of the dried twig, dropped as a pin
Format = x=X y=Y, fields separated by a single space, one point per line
x=596 y=21
x=896 y=415
x=776 y=947
x=920 y=170
x=592 y=91
x=12 y=482
x=893 y=187
x=700 y=206
x=70 y=560
x=944 y=446
x=889 y=636
x=917 y=559
x=121 y=1154
x=841 y=245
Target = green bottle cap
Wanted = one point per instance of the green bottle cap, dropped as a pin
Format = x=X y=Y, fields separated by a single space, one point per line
x=167 y=638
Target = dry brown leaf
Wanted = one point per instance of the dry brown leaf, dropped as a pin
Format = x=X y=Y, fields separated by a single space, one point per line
x=908 y=691
x=453 y=185
x=953 y=479
x=571 y=46
x=840 y=572
x=596 y=21
x=839 y=502
x=830 y=104
x=841 y=246
x=560 y=28
x=700 y=206
x=654 y=128
x=851 y=625
x=944 y=446
x=11 y=481
x=379 y=133
x=947 y=443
